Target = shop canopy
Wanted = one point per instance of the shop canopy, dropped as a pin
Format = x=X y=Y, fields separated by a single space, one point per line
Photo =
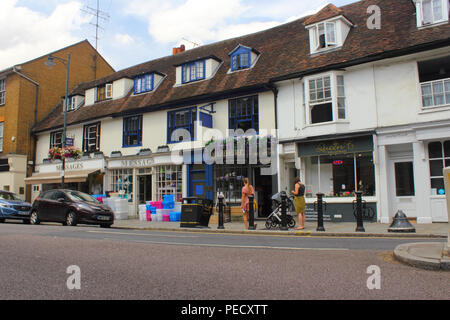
x=55 y=177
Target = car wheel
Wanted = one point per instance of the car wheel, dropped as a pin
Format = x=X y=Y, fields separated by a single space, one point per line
x=105 y=226
x=26 y=221
x=34 y=218
x=71 y=219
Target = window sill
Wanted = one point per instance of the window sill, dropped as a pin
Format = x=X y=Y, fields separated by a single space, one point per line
x=426 y=110
x=326 y=123
x=133 y=146
x=434 y=24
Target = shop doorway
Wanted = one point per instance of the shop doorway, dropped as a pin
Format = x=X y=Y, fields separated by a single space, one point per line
x=145 y=189
x=263 y=191
x=200 y=181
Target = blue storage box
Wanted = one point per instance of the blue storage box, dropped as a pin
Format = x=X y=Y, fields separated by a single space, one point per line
x=168 y=205
x=175 y=216
x=169 y=198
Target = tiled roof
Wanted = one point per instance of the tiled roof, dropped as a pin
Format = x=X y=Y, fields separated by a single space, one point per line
x=284 y=52
x=328 y=12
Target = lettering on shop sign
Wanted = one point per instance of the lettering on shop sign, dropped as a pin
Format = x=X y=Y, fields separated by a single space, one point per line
x=137 y=163
x=71 y=166
x=335 y=148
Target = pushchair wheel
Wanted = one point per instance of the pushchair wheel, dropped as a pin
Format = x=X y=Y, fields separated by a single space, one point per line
x=291 y=223
x=268 y=224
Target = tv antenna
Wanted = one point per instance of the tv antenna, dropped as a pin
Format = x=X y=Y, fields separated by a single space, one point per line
x=195 y=44
x=98 y=15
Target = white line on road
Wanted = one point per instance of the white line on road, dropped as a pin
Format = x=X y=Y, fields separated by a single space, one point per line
x=235 y=246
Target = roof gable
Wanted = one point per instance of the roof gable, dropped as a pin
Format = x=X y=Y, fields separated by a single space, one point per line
x=328 y=12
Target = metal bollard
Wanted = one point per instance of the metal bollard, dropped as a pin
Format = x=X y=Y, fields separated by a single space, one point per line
x=251 y=213
x=221 y=206
x=359 y=219
x=320 y=204
x=283 y=196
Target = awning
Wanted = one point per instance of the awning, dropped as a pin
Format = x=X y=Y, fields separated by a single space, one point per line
x=55 y=177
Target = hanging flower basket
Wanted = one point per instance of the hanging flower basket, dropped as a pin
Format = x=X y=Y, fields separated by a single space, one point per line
x=72 y=153
x=55 y=153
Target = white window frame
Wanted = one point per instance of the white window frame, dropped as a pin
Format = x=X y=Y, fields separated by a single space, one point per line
x=420 y=15
x=445 y=93
x=2 y=129
x=328 y=43
x=333 y=100
x=109 y=91
x=2 y=91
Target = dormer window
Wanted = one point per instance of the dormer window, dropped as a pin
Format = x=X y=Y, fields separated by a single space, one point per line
x=104 y=92
x=193 y=71
x=144 y=83
x=242 y=58
x=431 y=12
x=326 y=35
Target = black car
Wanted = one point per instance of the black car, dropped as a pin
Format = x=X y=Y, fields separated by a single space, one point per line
x=70 y=208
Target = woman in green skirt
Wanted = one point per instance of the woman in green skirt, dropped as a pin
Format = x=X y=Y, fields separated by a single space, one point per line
x=299 y=202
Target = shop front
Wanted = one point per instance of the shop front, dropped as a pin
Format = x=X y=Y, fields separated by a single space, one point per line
x=82 y=175
x=339 y=168
x=144 y=178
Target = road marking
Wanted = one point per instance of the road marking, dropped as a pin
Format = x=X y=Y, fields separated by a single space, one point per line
x=142 y=234
x=240 y=247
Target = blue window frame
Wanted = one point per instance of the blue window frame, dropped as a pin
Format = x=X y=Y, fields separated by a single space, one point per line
x=241 y=58
x=181 y=119
x=243 y=113
x=193 y=71
x=132 y=131
x=144 y=83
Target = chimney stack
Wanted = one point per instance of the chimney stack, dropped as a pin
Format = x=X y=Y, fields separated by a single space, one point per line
x=181 y=49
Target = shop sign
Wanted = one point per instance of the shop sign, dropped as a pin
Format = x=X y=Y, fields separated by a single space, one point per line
x=335 y=147
x=71 y=166
x=137 y=163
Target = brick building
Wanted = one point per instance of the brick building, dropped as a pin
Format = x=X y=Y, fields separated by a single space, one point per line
x=28 y=92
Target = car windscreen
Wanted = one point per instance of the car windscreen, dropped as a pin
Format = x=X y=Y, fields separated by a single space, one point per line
x=9 y=196
x=80 y=196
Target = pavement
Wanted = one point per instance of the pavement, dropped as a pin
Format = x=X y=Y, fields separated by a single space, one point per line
x=341 y=229
x=429 y=256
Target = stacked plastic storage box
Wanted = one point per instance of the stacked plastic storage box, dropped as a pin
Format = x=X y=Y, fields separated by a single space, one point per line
x=119 y=207
x=143 y=212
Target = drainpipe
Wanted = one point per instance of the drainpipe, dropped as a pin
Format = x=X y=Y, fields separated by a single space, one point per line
x=15 y=70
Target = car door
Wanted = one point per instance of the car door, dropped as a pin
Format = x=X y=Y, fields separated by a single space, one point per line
x=43 y=206
x=58 y=205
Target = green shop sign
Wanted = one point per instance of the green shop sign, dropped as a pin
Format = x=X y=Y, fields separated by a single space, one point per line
x=335 y=147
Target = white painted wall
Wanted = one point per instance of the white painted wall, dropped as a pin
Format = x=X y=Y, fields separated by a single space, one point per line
x=122 y=87
x=89 y=97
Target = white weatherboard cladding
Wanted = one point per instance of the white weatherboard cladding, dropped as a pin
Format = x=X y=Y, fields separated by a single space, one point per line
x=90 y=97
x=122 y=87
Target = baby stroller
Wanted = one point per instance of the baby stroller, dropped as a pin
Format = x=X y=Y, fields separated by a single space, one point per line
x=274 y=219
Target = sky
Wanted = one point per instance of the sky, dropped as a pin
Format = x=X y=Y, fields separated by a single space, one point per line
x=136 y=31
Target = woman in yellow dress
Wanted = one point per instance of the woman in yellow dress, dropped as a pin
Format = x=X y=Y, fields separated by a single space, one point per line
x=299 y=202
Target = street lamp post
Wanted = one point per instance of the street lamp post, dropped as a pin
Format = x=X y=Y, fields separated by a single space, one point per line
x=51 y=63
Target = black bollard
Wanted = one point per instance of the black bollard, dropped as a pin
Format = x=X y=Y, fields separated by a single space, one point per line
x=320 y=226
x=251 y=213
x=221 y=206
x=283 y=225
x=359 y=219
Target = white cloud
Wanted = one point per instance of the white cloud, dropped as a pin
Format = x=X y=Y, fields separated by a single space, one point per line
x=27 y=34
x=124 y=38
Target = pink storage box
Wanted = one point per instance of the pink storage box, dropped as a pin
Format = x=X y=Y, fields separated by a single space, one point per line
x=157 y=204
x=99 y=199
x=166 y=217
x=149 y=216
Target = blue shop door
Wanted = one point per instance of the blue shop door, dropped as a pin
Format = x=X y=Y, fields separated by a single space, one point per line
x=200 y=181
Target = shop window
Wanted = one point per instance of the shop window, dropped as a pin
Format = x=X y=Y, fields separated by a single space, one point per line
x=56 y=138
x=404 y=179
x=91 y=137
x=229 y=179
x=132 y=131
x=244 y=113
x=340 y=175
x=434 y=76
x=122 y=180
x=181 y=119
x=169 y=180
x=439 y=158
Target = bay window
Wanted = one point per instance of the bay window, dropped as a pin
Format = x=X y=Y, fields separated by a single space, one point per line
x=325 y=101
